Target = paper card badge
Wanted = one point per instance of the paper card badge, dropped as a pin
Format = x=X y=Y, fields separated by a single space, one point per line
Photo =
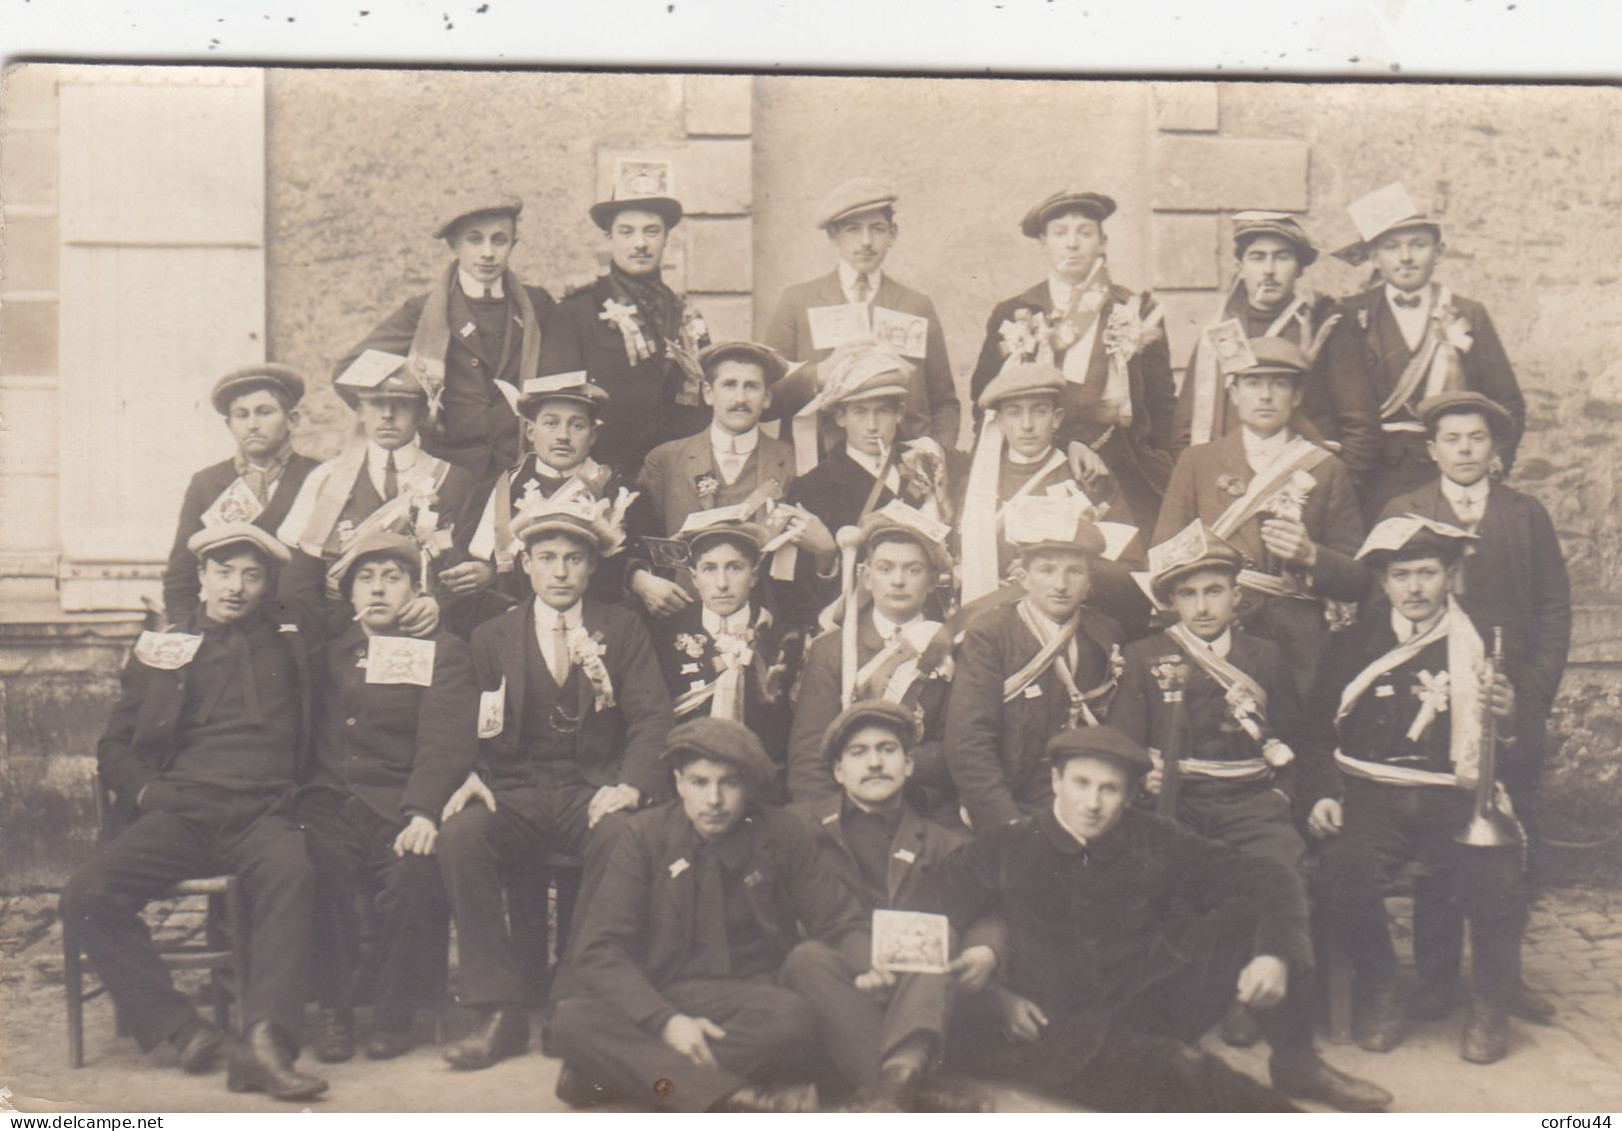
x=906 y=334
x=166 y=651
x=400 y=659
x=910 y=942
x=643 y=176
x=1189 y=544
x=237 y=503
x=1117 y=537
x=492 y=710
x=913 y=518
x=1382 y=210
x=1039 y=518
x=370 y=369
x=847 y=324
x=1231 y=345
x=669 y=553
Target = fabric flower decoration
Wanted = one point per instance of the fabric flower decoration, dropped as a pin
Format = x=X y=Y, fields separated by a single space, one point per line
x=692 y=643
x=707 y=485
x=1230 y=483
x=1432 y=694
x=587 y=652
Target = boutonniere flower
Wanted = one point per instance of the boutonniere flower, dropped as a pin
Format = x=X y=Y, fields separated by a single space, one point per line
x=1117 y=663
x=707 y=485
x=1245 y=710
x=1127 y=333
x=1432 y=694
x=1455 y=328
x=1290 y=500
x=734 y=650
x=1363 y=319
x=1230 y=483
x=692 y=643
x=587 y=652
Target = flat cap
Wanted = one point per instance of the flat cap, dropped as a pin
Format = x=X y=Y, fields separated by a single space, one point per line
x=772 y=363
x=387 y=545
x=1021 y=379
x=1466 y=400
x=1093 y=205
x=1098 y=742
x=863 y=713
x=1191 y=549
x=1275 y=357
x=720 y=740
x=579 y=518
x=233 y=533
x=1033 y=523
x=896 y=519
x=482 y=204
x=1248 y=225
x=698 y=538
x=562 y=387
x=862 y=373
x=1404 y=537
x=375 y=374
x=855 y=196
x=281 y=379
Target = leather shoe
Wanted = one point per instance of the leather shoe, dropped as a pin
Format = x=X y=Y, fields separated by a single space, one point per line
x=1431 y=1001
x=504 y=1032
x=1529 y=1005
x=334 y=1036
x=1239 y=1028
x=199 y=1044
x=263 y=1062
x=1377 y=1022
x=389 y=1040
x=576 y=1091
x=791 y=1098
x=1485 y=1038
x=1310 y=1077
x=895 y=1090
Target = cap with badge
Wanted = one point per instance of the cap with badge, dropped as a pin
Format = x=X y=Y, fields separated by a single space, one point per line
x=1498 y=418
x=1408 y=536
x=280 y=379
x=1021 y=379
x=1106 y=742
x=597 y=522
x=864 y=713
x=1390 y=209
x=1190 y=550
x=1249 y=225
x=481 y=204
x=1093 y=205
x=642 y=184
x=387 y=545
x=376 y=374
x=772 y=364
x=1034 y=523
x=574 y=386
x=221 y=535
x=719 y=740
x=854 y=197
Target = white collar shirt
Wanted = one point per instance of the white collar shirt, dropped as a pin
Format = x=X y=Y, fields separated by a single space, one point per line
x=716 y=625
x=870 y=464
x=377 y=463
x=1261 y=452
x=1411 y=320
x=546 y=622
x=847 y=282
x=1058 y=816
x=473 y=288
x=732 y=452
x=1468 y=503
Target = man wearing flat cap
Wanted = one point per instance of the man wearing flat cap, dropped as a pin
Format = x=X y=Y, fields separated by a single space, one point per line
x=473 y=340
x=257 y=485
x=632 y=334
x=1119 y=397
x=1269 y=299
x=395 y=734
x=573 y=713
x=859 y=217
x=208 y=742
x=1397 y=737
x=672 y=998
x=1031 y=667
x=1407 y=338
x=1287 y=504
x=1127 y=938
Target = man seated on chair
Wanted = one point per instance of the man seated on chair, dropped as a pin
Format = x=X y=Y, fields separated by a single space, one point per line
x=1128 y=937
x=1233 y=780
x=725 y=656
x=1032 y=667
x=894 y=1025
x=673 y=999
x=573 y=713
x=204 y=750
x=899 y=654
x=395 y=735
x=1399 y=726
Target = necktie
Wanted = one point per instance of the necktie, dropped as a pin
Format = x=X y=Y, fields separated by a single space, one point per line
x=1407 y=302
x=391 y=479
x=712 y=914
x=863 y=289
x=560 y=651
x=1469 y=512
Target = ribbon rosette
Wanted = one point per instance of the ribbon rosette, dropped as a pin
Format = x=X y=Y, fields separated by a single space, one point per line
x=1230 y=483
x=587 y=652
x=1432 y=693
x=1245 y=710
x=1455 y=328
x=734 y=650
x=622 y=317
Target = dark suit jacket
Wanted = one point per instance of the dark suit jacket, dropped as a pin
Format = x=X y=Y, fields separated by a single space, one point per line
x=139 y=742
x=642 y=409
x=932 y=404
x=399 y=747
x=639 y=931
x=180 y=575
x=478 y=429
x=622 y=744
x=671 y=472
x=995 y=750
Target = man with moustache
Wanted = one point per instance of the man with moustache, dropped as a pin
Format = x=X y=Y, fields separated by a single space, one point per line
x=473 y=340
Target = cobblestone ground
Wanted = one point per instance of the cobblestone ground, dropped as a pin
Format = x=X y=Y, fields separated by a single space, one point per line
x=1574 y=953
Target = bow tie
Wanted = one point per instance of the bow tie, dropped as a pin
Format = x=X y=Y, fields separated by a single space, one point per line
x=1407 y=302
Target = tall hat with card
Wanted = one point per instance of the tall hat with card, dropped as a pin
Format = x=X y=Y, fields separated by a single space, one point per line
x=1191 y=549
x=1389 y=209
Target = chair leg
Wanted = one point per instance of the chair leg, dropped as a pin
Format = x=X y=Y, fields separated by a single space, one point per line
x=1340 y=991
x=236 y=913
x=73 y=984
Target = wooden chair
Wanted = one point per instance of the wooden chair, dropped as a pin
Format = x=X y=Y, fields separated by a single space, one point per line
x=1335 y=961
x=536 y=900
x=223 y=951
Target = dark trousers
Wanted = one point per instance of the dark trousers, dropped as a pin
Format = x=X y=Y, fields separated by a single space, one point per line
x=1251 y=816
x=478 y=849
x=352 y=848
x=769 y=1031
x=1137 y=1054
x=858 y=1030
x=193 y=831
x=1387 y=826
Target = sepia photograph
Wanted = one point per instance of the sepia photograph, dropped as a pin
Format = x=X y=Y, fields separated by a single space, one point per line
x=539 y=590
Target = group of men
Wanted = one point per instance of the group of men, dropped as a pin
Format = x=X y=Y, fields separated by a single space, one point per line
x=885 y=764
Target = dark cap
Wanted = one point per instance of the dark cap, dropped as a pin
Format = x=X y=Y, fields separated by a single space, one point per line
x=1093 y=205
x=1275 y=357
x=387 y=545
x=212 y=538
x=280 y=379
x=719 y=740
x=1248 y=225
x=864 y=713
x=573 y=386
x=1097 y=742
x=1466 y=401
x=772 y=363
